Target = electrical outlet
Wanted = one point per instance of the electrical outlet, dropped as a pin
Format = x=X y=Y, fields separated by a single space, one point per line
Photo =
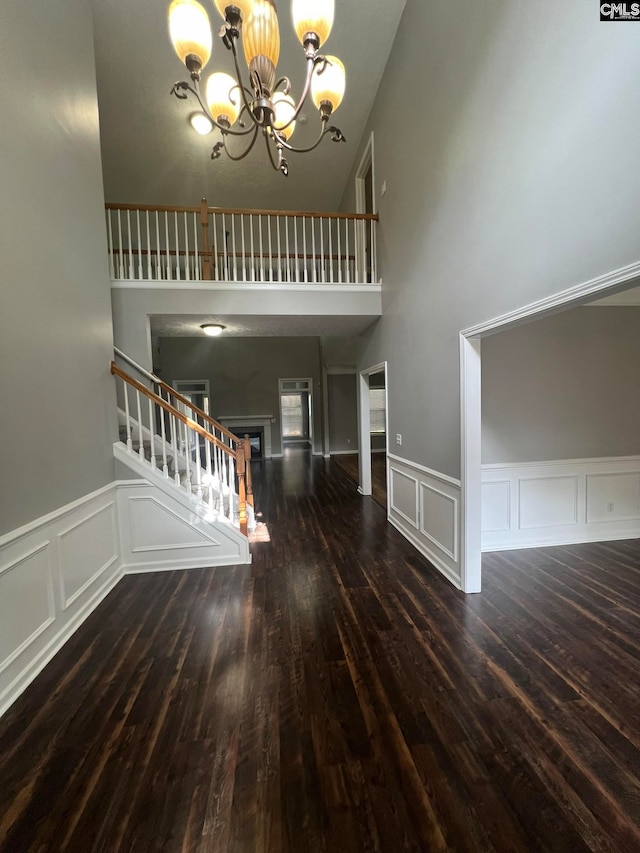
x=348 y=441
x=610 y=506
x=398 y=438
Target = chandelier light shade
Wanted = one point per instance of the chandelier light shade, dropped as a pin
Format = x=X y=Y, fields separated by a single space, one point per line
x=223 y=98
x=285 y=113
x=241 y=110
x=329 y=83
x=313 y=18
x=190 y=33
x=261 y=40
x=244 y=6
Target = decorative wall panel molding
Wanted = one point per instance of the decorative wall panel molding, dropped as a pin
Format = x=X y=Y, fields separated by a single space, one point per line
x=425 y=507
x=560 y=502
x=53 y=573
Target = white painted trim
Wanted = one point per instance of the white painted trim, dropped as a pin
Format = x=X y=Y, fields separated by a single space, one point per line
x=364 y=425
x=438 y=475
x=344 y=453
x=183 y=287
x=423 y=532
x=605 y=284
x=595 y=482
x=427 y=552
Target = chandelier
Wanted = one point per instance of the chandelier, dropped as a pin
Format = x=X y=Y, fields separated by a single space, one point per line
x=242 y=112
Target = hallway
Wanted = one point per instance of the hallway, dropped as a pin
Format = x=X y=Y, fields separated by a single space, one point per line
x=338 y=695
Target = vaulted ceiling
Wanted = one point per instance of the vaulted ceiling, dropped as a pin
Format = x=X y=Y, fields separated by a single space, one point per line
x=152 y=155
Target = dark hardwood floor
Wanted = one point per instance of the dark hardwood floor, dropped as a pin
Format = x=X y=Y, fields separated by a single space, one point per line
x=338 y=695
x=349 y=464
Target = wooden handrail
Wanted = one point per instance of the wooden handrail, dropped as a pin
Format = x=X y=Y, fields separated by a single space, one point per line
x=244 y=211
x=115 y=370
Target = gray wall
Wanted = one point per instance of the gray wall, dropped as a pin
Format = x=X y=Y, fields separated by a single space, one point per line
x=243 y=373
x=58 y=419
x=565 y=387
x=343 y=412
x=509 y=180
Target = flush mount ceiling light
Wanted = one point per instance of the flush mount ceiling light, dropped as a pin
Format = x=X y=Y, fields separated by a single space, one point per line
x=266 y=104
x=200 y=123
x=212 y=329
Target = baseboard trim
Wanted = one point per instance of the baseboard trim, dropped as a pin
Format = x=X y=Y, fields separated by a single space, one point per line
x=426 y=552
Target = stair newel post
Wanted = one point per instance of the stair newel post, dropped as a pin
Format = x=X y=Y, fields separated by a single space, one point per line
x=197 y=438
x=152 y=435
x=231 y=483
x=204 y=222
x=242 y=494
x=140 y=435
x=247 y=456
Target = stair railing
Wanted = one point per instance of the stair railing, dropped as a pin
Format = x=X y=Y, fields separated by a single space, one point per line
x=217 y=430
x=203 y=243
x=169 y=437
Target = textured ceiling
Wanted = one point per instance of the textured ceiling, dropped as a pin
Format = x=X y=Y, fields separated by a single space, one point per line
x=151 y=154
x=188 y=325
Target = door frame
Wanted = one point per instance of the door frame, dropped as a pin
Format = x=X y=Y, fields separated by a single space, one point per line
x=471 y=400
x=364 y=426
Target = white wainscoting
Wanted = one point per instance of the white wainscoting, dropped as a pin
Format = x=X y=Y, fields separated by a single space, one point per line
x=561 y=502
x=53 y=573
x=424 y=506
x=161 y=532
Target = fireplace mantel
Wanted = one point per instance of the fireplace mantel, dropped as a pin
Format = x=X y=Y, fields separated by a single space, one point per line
x=251 y=421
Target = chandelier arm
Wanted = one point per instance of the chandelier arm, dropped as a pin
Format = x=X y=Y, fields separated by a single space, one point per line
x=338 y=137
x=255 y=130
x=312 y=61
x=186 y=86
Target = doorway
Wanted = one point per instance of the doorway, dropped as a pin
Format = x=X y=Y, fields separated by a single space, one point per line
x=373 y=420
x=296 y=410
x=366 y=203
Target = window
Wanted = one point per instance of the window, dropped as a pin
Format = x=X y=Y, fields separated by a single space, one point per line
x=377 y=409
x=295 y=409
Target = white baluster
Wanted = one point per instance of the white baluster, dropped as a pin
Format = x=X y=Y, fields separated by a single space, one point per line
x=374 y=252
x=187 y=259
x=214 y=236
x=358 y=243
x=279 y=249
x=198 y=460
x=165 y=466
x=262 y=277
x=175 y=442
x=112 y=269
x=166 y=245
x=209 y=446
x=175 y=230
x=295 y=248
x=330 y=221
x=140 y=273
x=158 y=275
x=148 y=247
x=288 y=258
x=233 y=246
x=225 y=273
x=197 y=274
x=270 y=248
x=347 y=271
x=130 y=254
x=152 y=434
x=187 y=455
x=253 y=255
x=244 y=251
x=313 y=249
x=339 y=253
x=323 y=267
x=125 y=388
x=140 y=436
x=304 y=249
x=120 y=247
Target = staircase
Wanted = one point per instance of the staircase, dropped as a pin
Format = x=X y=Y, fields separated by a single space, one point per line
x=203 y=468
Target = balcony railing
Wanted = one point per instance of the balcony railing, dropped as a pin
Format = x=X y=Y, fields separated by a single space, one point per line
x=149 y=243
